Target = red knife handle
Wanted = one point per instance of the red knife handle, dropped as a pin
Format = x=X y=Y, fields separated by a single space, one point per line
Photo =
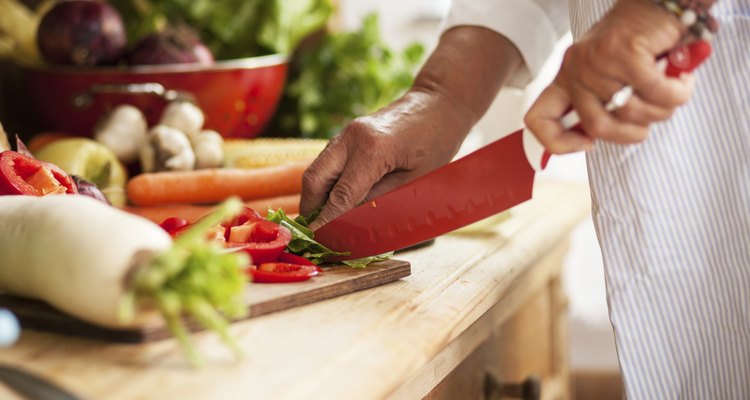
x=683 y=59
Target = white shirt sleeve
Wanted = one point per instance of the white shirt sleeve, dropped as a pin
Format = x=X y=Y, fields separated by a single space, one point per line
x=533 y=26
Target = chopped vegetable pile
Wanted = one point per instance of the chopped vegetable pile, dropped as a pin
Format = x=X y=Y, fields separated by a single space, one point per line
x=195 y=277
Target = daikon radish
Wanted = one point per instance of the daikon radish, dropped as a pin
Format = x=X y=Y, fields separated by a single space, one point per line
x=114 y=269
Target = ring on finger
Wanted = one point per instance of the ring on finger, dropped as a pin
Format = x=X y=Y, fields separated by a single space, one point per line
x=619 y=98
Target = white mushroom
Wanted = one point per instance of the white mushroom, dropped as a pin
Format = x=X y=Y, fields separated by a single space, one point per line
x=185 y=116
x=167 y=149
x=209 y=149
x=123 y=131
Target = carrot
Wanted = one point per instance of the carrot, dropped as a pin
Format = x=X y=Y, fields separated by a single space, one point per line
x=194 y=212
x=216 y=184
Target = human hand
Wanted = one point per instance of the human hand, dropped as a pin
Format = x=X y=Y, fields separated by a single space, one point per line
x=418 y=132
x=619 y=50
x=377 y=153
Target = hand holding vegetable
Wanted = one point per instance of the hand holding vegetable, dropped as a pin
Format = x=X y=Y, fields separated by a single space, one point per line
x=417 y=133
x=619 y=50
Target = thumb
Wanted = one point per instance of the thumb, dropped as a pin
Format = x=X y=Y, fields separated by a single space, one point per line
x=350 y=189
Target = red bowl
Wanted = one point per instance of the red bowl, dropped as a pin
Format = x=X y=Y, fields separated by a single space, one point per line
x=239 y=97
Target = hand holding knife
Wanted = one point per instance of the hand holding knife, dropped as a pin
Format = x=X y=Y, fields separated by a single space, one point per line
x=487 y=181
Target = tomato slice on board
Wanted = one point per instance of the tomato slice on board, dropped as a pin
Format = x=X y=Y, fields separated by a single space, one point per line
x=262 y=240
x=280 y=272
x=24 y=175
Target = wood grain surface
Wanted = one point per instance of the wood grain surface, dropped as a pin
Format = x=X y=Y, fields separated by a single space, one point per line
x=365 y=345
x=261 y=299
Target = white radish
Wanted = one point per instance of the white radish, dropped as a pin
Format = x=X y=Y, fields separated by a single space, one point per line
x=123 y=131
x=74 y=252
x=184 y=116
x=113 y=269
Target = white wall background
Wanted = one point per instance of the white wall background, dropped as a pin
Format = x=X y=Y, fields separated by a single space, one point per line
x=402 y=22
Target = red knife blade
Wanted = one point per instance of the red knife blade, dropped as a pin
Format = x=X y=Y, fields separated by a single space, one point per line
x=488 y=181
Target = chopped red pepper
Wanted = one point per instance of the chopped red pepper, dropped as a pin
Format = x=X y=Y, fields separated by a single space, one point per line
x=262 y=240
x=280 y=272
x=247 y=215
x=24 y=175
x=174 y=225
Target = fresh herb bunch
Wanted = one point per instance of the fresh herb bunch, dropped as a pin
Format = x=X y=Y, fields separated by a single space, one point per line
x=230 y=28
x=347 y=75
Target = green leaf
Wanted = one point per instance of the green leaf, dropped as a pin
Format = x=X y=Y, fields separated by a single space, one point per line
x=347 y=75
x=364 y=262
x=303 y=240
x=195 y=276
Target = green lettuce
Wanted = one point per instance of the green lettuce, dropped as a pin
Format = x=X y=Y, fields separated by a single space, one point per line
x=303 y=241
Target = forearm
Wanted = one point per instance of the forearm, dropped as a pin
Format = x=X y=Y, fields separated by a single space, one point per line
x=462 y=76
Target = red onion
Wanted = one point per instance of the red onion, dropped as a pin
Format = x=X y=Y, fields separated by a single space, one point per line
x=174 y=45
x=89 y=189
x=81 y=32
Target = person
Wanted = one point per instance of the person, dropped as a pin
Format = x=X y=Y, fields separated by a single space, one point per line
x=670 y=178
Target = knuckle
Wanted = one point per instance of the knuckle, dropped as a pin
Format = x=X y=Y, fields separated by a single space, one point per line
x=363 y=134
x=311 y=179
x=341 y=197
x=599 y=127
x=606 y=46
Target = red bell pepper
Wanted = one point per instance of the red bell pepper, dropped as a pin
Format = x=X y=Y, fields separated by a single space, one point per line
x=262 y=240
x=174 y=225
x=278 y=272
x=24 y=175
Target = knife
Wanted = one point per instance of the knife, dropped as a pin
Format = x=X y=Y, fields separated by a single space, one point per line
x=31 y=386
x=490 y=180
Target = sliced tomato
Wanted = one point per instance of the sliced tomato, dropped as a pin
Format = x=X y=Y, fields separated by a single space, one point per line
x=281 y=272
x=262 y=240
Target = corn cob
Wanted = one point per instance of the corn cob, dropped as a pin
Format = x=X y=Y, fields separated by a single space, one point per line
x=265 y=152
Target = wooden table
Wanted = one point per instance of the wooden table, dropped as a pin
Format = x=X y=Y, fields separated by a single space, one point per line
x=484 y=302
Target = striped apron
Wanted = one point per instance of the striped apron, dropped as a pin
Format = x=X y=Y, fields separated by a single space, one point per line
x=673 y=219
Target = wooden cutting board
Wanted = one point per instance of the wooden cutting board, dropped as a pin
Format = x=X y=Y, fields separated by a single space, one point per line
x=260 y=298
